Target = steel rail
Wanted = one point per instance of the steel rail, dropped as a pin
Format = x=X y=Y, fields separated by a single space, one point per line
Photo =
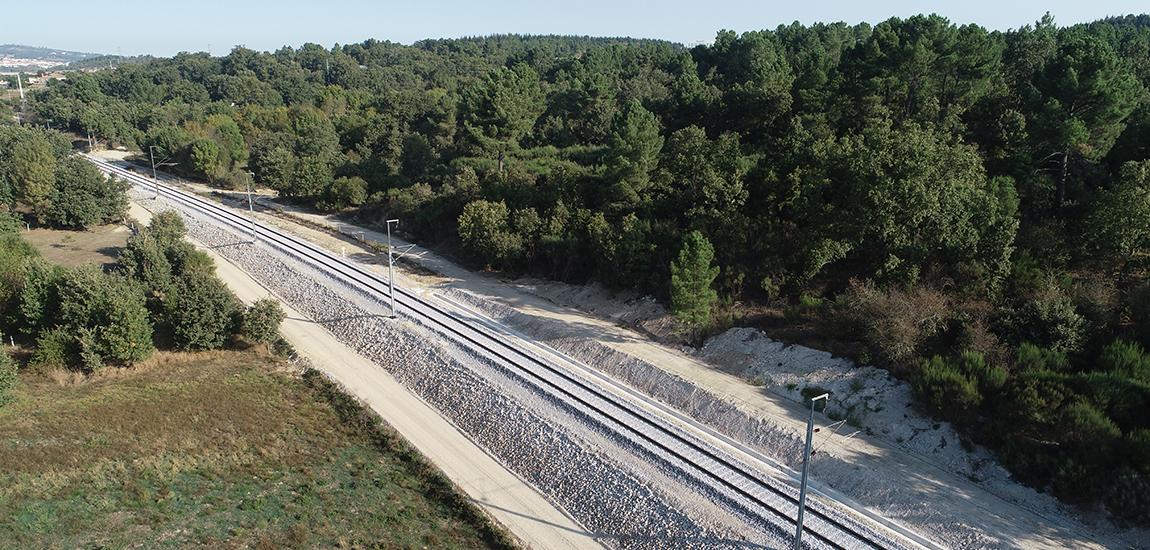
x=496 y=347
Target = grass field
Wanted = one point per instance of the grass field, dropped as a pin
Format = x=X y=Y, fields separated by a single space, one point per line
x=216 y=449
x=100 y=245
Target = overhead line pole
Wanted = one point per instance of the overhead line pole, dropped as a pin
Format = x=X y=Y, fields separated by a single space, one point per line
x=155 y=180
x=391 y=268
x=251 y=211
x=806 y=465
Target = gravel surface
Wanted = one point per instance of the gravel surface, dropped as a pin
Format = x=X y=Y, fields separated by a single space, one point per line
x=590 y=473
x=887 y=491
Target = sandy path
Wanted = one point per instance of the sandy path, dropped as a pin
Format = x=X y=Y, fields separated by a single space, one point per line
x=510 y=500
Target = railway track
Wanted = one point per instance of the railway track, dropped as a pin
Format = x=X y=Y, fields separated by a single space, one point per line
x=763 y=499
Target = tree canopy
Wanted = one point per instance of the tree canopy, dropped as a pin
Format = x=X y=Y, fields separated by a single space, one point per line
x=958 y=195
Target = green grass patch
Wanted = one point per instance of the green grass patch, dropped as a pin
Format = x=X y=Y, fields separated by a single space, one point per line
x=217 y=449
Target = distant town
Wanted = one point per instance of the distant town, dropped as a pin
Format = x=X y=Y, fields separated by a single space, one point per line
x=17 y=58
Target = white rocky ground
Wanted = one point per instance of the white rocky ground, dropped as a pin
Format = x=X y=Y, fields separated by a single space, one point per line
x=874 y=404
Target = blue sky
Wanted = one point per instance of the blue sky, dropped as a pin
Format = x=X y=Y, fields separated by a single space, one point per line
x=163 y=28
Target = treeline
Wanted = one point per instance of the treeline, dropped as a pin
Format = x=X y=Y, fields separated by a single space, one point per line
x=974 y=205
x=37 y=169
x=161 y=292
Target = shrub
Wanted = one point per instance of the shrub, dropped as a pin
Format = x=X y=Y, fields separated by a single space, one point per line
x=1125 y=401
x=201 y=312
x=123 y=332
x=56 y=349
x=485 y=229
x=83 y=294
x=167 y=228
x=186 y=260
x=1127 y=359
x=1128 y=495
x=84 y=197
x=145 y=260
x=1097 y=299
x=1032 y=358
x=88 y=358
x=14 y=253
x=38 y=297
x=1084 y=423
x=1139 y=304
x=946 y=390
x=345 y=192
x=893 y=323
x=262 y=321
x=955 y=387
x=104 y=314
x=1050 y=323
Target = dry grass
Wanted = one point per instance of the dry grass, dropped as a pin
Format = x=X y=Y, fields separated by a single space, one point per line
x=212 y=449
x=99 y=245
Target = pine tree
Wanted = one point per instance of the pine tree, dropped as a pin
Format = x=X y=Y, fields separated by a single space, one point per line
x=692 y=275
x=635 y=147
x=33 y=171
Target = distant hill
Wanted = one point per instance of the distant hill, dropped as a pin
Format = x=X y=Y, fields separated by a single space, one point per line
x=104 y=61
x=17 y=57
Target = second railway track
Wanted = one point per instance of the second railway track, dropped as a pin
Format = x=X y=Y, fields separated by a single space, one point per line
x=768 y=500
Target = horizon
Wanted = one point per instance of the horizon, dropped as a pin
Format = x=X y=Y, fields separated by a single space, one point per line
x=264 y=29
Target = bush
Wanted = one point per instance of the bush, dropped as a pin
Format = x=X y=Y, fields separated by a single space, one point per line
x=38 y=297
x=145 y=260
x=955 y=388
x=84 y=197
x=1125 y=401
x=201 y=312
x=104 y=314
x=1128 y=495
x=893 y=323
x=946 y=390
x=1127 y=359
x=484 y=228
x=56 y=349
x=1139 y=304
x=122 y=333
x=345 y=192
x=14 y=252
x=83 y=293
x=1031 y=358
x=8 y=377
x=262 y=321
x=167 y=228
x=1050 y=323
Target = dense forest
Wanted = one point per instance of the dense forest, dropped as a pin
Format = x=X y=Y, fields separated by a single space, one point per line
x=972 y=205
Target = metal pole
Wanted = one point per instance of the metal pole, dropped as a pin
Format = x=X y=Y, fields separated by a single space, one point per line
x=806 y=464
x=155 y=180
x=391 y=269
x=251 y=211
